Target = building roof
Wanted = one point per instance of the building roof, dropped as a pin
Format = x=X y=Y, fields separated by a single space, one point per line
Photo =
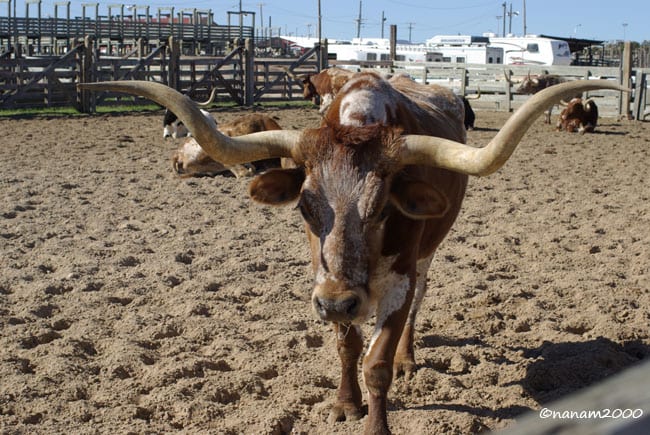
x=576 y=44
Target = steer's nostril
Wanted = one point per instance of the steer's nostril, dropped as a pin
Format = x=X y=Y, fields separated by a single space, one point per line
x=350 y=306
x=337 y=309
x=320 y=308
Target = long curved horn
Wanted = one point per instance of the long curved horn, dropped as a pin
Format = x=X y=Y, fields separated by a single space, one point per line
x=224 y=149
x=507 y=76
x=459 y=157
x=291 y=74
x=210 y=100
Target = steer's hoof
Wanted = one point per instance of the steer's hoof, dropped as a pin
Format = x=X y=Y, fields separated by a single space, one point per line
x=403 y=366
x=344 y=412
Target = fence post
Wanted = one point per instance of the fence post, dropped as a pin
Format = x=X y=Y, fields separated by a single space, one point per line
x=249 y=72
x=627 y=80
x=322 y=55
x=508 y=92
x=174 y=64
x=85 y=99
x=639 y=95
x=141 y=48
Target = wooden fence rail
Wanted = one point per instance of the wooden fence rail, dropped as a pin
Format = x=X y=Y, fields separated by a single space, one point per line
x=244 y=79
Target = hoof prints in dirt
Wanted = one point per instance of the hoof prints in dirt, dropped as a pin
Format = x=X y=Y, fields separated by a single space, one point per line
x=133 y=301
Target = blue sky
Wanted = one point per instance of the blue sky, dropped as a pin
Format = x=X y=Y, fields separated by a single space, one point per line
x=422 y=19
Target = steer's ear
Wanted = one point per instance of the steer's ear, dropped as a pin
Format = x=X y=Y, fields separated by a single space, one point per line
x=417 y=199
x=277 y=186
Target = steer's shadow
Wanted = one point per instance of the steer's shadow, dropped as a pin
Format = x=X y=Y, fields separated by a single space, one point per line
x=562 y=368
x=557 y=369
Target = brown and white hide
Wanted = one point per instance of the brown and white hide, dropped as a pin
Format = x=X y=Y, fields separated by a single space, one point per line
x=379 y=184
x=372 y=224
x=325 y=85
x=578 y=115
x=190 y=160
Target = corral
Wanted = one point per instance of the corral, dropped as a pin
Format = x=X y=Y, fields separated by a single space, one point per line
x=132 y=300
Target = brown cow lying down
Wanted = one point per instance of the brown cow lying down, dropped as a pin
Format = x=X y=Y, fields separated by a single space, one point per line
x=189 y=160
x=578 y=115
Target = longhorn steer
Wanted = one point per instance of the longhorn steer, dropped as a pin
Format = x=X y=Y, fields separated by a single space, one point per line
x=531 y=85
x=189 y=160
x=379 y=184
x=324 y=84
x=578 y=116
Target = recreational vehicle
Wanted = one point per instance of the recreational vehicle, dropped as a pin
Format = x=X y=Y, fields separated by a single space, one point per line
x=465 y=49
x=532 y=50
x=370 y=49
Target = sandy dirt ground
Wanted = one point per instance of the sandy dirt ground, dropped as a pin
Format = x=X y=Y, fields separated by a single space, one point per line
x=132 y=301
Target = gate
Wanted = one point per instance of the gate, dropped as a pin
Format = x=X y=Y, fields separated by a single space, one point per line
x=35 y=82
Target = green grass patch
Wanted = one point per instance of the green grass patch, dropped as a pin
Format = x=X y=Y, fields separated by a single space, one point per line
x=139 y=108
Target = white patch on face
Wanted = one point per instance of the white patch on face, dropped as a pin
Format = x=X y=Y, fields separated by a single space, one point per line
x=365 y=106
x=343 y=243
x=388 y=293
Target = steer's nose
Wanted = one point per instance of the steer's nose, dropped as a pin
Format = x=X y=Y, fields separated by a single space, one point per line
x=341 y=309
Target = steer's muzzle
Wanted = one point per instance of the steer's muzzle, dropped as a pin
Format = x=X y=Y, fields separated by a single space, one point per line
x=334 y=304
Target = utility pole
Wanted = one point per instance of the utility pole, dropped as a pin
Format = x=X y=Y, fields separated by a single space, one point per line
x=504 y=18
x=525 y=30
x=321 y=50
x=262 y=20
x=320 y=17
x=510 y=14
x=359 y=22
x=410 y=28
x=241 y=21
x=383 y=20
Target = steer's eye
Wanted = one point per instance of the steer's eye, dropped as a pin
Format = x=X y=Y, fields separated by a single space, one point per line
x=307 y=210
x=304 y=210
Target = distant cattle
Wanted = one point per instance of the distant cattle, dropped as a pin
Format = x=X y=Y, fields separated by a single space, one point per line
x=379 y=185
x=578 y=115
x=470 y=116
x=531 y=85
x=324 y=84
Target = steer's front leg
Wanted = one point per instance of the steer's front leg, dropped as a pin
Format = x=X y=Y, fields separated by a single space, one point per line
x=378 y=364
x=349 y=345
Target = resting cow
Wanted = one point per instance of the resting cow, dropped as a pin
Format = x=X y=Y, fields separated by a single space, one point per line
x=578 y=115
x=189 y=160
x=379 y=184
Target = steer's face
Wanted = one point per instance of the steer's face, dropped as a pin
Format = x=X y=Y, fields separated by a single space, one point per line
x=347 y=193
